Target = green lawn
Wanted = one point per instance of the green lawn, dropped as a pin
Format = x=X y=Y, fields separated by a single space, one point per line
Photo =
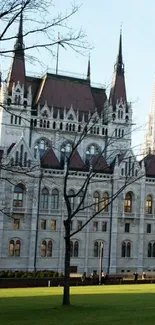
x=123 y=305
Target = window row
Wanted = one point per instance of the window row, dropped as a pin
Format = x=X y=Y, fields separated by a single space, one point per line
x=14 y=119
x=129 y=168
x=119 y=133
x=128 y=203
x=47 y=247
x=71 y=127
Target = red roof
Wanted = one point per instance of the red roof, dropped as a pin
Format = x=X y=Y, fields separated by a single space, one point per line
x=49 y=160
x=149 y=162
x=62 y=91
x=76 y=162
x=17 y=72
x=100 y=97
x=118 y=90
x=99 y=164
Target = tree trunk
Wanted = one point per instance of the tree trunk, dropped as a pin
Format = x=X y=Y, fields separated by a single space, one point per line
x=66 y=293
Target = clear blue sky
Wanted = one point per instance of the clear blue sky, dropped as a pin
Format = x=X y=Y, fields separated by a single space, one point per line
x=101 y=19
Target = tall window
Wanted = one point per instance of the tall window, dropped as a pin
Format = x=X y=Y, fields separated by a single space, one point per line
x=96 y=249
x=44 y=198
x=128 y=202
x=53 y=225
x=151 y=250
x=72 y=199
x=46 y=248
x=14 y=248
x=149 y=204
x=95 y=226
x=96 y=197
x=42 y=146
x=74 y=249
x=126 y=249
x=105 y=202
x=55 y=200
x=80 y=198
x=18 y=196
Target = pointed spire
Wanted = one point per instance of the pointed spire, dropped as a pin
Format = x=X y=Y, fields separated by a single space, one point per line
x=17 y=71
x=119 y=66
x=118 y=89
x=19 y=45
x=88 y=70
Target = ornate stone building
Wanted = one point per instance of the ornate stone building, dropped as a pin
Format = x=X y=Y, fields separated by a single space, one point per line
x=39 y=118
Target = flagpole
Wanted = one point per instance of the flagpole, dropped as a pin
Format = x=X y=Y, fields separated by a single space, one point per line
x=57 y=60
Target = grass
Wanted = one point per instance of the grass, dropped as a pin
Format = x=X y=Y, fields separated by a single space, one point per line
x=122 y=305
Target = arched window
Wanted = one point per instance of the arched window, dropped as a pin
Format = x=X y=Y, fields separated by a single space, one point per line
x=18 y=197
x=55 y=199
x=49 y=248
x=71 y=248
x=76 y=249
x=122 y=133
x=17 y=248
x=96 y=249
x=96 y=198
x=65 y=152
x=14 y=247
x=42 y=145
x=44 y=198
x=149 y=253
x=128 y=202
x=15 y=119
x=11 y=248
x=151 y=250
x=123 y=249
x=48 y=124
x=105 y=202
x=149 y=204
x=61 y=126
x=119 y=114
x=43 y=248
x=54 y=125
x=72 y=199
x=126 y=249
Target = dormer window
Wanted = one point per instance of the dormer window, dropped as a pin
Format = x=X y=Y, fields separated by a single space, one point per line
x=42 y=146
x=65 y=152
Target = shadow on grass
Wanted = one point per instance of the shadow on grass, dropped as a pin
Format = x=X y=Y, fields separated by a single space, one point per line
x=135 y=309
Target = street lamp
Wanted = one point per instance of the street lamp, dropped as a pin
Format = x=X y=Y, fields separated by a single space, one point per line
x=100 y=261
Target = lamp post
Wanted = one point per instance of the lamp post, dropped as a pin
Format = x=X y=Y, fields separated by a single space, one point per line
x=100 y=262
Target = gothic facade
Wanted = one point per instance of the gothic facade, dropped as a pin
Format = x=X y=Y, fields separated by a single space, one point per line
x=39 y=118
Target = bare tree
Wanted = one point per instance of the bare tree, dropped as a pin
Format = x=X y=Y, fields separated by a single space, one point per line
x=40 y=25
